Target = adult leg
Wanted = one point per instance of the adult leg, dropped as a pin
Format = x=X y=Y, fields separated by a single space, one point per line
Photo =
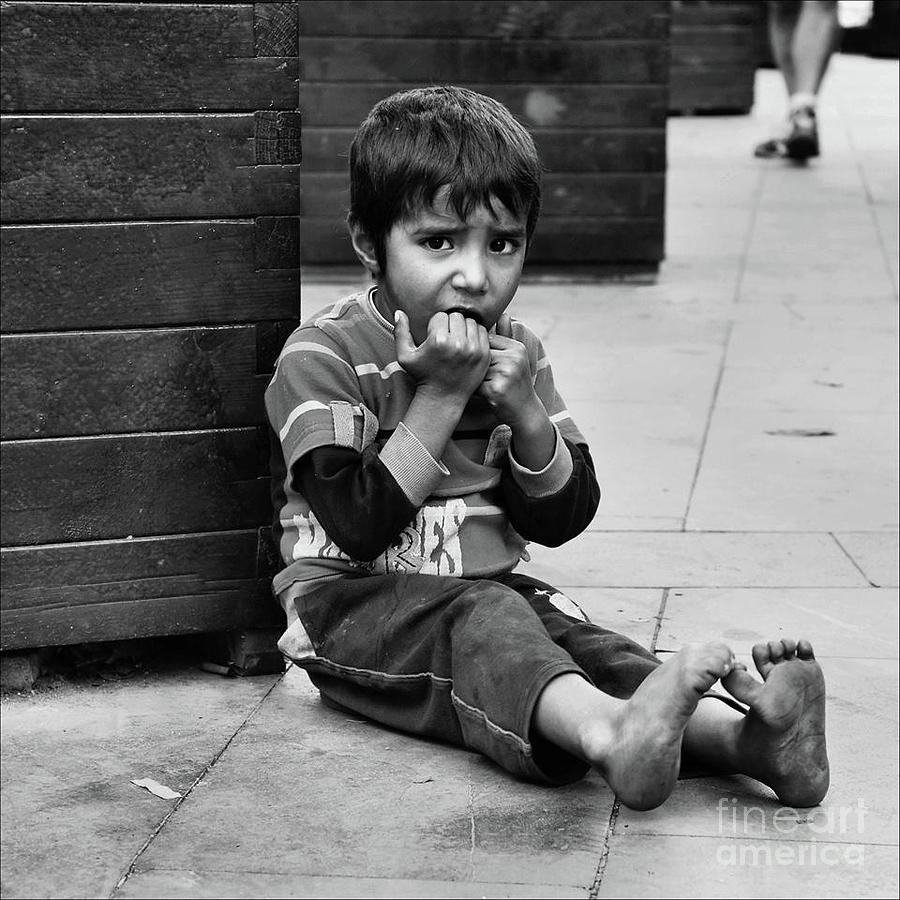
x=815 y=40
x=783 y=19
x=803 y=37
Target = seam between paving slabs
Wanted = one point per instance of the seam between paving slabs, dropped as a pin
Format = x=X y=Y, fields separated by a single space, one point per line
x=736 y=298
x=849 y=556
x=594 y=890
x=207 y=768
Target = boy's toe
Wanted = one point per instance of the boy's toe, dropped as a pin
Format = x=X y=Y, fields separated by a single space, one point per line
x=790 y=647
x=762 y=658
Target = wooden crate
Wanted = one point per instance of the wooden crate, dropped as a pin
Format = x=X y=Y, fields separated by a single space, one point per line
x=715 y=54
x=590 y=80
x=150 y=240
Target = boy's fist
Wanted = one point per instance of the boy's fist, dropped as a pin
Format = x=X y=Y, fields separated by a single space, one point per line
x=507 y=384
x=453 y=358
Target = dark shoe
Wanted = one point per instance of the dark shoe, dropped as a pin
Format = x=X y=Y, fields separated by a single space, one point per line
x=803 y=141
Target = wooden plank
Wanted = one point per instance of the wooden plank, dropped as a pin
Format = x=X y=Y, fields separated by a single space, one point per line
x=95 y=488
x=601 y=149
x=435 y=60
x=615 y=194
x=113 y=382
x=536 y=105
x=84 y=56
x=557 y=240
x=82 y=168
x=611 y=19
x=707 y=15
x=562 y=150
x=62 y=277
x=94 y=591
x=710 y=90
x=584 y=240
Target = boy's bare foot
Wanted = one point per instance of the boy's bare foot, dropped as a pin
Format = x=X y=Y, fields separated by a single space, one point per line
x=642 y=760
x=781 y=741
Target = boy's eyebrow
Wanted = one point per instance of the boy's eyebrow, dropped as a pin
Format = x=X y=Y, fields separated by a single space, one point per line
x=517 y=231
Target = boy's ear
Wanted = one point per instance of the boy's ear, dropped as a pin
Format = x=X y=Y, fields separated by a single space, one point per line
x=364 y=247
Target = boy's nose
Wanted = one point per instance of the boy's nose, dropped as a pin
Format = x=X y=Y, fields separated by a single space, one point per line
x=471 y=275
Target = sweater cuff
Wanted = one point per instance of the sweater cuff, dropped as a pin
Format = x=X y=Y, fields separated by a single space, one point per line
x=549 y=480
x=413 y=467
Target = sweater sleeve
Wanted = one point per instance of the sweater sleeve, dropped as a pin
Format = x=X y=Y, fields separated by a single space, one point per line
x=355 y=497
x=552 y=519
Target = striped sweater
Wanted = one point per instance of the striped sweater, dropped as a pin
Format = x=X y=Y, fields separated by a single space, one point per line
x=337 y=383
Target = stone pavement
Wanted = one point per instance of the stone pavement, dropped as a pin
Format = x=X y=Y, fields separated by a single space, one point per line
x=743 y=415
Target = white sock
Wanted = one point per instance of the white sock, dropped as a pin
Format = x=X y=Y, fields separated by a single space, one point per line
x=802 y=101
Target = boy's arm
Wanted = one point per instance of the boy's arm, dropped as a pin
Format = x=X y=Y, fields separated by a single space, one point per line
x=365 y=499
x=550 y=491
x=553 y=518
x=361 y=505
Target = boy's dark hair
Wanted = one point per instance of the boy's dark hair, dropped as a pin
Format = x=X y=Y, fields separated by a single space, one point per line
x=416 y=141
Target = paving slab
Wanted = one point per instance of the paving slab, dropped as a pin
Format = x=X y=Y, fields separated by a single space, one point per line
x=838 y=621
x=73 y=821
x=238 y=885
x=876 y=553
x=801 y=470
x=695 y=559
x=691 y=867
x=861 y=806
x=304 y=790
x=645 y=455
x=634 y=613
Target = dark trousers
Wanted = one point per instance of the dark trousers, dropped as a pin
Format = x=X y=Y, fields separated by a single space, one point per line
x=462 y=660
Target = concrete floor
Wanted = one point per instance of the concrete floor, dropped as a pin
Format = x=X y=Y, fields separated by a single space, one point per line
x=775 y=316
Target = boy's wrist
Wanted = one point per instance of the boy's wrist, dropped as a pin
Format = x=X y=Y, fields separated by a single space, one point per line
x=442 y=398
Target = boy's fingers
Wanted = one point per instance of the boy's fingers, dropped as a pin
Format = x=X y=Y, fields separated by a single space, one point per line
x=504 y=325
x=402 y=337
x=500 y=342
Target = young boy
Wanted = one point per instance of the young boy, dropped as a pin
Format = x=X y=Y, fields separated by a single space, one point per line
x=421 y=444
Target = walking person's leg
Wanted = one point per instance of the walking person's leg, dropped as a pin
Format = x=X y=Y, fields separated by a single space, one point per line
x=803 y=36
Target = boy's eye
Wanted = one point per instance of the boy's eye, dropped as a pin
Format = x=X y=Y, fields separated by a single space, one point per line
x=437 y=243
x=504 y=245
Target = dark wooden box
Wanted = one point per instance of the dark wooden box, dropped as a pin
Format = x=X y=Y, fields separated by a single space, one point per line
x=150 y=240
x=589 y=79
x=715 y=53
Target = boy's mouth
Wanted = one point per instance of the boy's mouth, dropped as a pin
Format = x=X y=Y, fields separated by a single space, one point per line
x=468 y=313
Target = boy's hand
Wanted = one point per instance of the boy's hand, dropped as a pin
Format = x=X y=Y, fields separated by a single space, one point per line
x=507 y=385
x=453 y=358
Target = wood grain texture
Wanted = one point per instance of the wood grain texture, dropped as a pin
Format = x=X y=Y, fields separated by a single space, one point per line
x=603 y=195
x=458 y=61
x=97 y=488
x=70 y=593
x=326 y=149
x=504 y=20
x=536 y=105
x=714 y=56
x=276 y=29
x=102 y=57
x=83 y=383
x=58 y=278
x=60 y=169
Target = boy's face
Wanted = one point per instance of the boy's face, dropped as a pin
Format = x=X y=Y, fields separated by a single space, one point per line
x=436 y=262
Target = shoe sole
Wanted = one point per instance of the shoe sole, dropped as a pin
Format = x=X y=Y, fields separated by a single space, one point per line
x=802 y=147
